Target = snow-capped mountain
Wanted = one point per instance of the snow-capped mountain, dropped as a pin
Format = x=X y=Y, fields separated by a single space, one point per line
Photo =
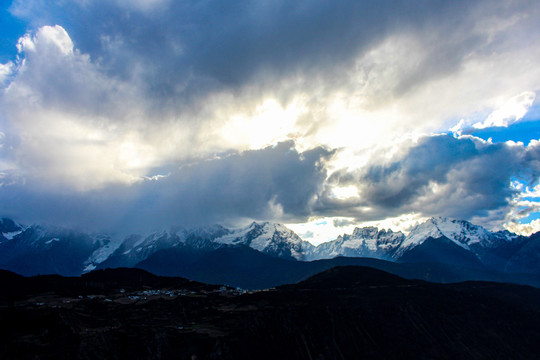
x=386 y=244
x=462 y=233
x=437 y=240
x=39 y=249
x=106 y=245
x=136 y=248
x=363 y=242
x=269 y=238
x=491 y=249
x=46 y=249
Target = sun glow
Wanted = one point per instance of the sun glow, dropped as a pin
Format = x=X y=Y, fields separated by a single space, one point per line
x=345 y=192
x=269 y=123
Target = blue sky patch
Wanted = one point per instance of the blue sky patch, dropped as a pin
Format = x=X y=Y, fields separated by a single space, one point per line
x=531 y=217
x=523 y=131
x=12 y=30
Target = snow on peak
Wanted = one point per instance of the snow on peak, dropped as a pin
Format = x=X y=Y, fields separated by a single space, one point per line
x=267 y=237
x=365 y=232
x=9 y=228
x=461 y=232
x=106 y=245
x=11 y=235
x=363 y=242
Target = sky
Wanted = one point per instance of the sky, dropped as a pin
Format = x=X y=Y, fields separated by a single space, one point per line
x=137 y=115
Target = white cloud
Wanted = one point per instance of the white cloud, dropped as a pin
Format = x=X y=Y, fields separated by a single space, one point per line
x=524 y=229
x=68 y=116
x=5 y=71
x=345 y=192
x=512 y=111
x=320 y=230
x=458 y=128
x=139 y=92
x=268 y=124
x=524 y=204
x=53 y=39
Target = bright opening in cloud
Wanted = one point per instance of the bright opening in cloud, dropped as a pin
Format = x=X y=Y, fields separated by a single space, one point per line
x=345 y=192
x=267 y=124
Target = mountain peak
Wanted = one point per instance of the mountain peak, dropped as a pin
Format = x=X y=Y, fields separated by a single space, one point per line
x=271 y=238
x=461 y=232
x=439 y=220
x=367 y=241
x=367 y=231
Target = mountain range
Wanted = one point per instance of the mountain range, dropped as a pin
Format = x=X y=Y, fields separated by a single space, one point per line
x=458 y=249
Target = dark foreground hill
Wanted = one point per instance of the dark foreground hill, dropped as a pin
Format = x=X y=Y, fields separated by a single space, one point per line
x=100 y=282
x=250 y=269
x=343 y=313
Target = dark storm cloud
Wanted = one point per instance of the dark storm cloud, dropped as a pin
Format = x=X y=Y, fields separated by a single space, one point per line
x=188 y=48
x=441 y=175
x=244 y=185
x=342 y=222
x=270 y=183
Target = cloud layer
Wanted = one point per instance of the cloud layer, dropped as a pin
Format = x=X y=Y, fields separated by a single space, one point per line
x=158 y=110
x=455 y=177
x=272 y=183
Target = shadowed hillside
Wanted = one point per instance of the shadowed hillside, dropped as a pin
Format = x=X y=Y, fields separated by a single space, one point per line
x=343 y=313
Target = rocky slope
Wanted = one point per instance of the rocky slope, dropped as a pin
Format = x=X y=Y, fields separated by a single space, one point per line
x=363 y=242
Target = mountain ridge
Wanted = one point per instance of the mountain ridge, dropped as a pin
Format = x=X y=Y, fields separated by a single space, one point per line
x=38 y=249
